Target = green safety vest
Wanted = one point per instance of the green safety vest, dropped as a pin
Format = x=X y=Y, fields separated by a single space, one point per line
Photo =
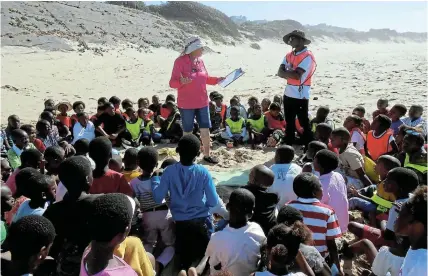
x=148 y=126
x=383 y=205
x=259 y=124
x=421 y=168
x=134 y=128
x=235 y=127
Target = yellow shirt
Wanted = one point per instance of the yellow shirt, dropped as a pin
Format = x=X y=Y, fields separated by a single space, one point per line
x=129 y=175
x=132 y=251
x=380 y=190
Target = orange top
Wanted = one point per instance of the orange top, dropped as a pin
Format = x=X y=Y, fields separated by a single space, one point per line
x=379 y=146
x=295 y=60
x=274 y=123
x=165 y=112
x=223 y=111
x=65 y=120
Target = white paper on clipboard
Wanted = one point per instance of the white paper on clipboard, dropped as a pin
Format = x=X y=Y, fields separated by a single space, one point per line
x=234 y=75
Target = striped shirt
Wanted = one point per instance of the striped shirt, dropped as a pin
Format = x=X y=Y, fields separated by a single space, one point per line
x=143 y=192
x=320 y=219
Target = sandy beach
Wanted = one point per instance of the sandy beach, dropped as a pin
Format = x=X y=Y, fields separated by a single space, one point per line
x=348 y=74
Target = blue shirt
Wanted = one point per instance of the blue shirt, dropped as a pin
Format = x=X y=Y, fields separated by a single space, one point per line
x=191 y=189
x=395 y=126
x=26 y=210
x=292 y=91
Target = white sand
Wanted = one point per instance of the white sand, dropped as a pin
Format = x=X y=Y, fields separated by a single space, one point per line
x=347 y=75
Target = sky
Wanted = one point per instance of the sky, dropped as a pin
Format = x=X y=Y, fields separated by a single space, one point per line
x=362 y=15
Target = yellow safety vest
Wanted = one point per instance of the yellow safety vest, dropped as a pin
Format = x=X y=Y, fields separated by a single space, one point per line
x=134 y=128
x=235 y=127
x=259 y=124
x=383 y=205
x=421 y=168
x=148 y=126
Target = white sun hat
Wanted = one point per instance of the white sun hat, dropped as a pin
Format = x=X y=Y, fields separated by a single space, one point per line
x=192 y=44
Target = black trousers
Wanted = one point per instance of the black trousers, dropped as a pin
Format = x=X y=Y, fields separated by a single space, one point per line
x=296 y=107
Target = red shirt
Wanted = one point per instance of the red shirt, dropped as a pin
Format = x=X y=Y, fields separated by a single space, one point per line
x=111 y=182
x=39 y=145
x=65 y=120
x=330 y=148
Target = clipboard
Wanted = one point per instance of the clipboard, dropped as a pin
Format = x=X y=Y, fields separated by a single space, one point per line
x=233 y=76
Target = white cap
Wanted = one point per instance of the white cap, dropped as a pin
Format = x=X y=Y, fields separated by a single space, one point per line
x=192 y=44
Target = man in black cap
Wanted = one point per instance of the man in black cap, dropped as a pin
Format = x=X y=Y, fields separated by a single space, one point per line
x=297 y=68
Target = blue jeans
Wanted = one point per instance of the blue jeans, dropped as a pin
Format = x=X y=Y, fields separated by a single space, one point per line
x=361 y=204
x=188 y=118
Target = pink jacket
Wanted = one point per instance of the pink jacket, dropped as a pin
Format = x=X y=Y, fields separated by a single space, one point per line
x=192 y=95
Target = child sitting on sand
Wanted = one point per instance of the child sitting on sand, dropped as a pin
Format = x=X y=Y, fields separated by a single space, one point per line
x=133 y=124
x=322 y=133
x=353 y=124
x=171 y=126
x=130 y=161
x=31 y=132
x=155 y=107
x=285 y=171
x=83 y=128
x=321 y=117
x=373 y=200
x=109 y=225
x=252 y=101
x=257 y=127
x=260 y=180
x=360 y=112
x=276 y=124
x=414 y=156
x=325 y=229
x=225 y=247
x=381 y=139
x=396 y=112
x=333 y=186
x=415 y=119
x=164 y=111
x=313 y=148
x=115 y=101
x=149 y=134
x=63 y=108
x=20 y=144
x=352 y=162
x=265 y=105
x=382 y=108
x=241 y=110
x=278 y=99
x=216 y=119
x=220 y=107
x=400 y=182
x=236 y=130
x=30 y=240
x=126 y=103
x=412 y=223
x=78 y=107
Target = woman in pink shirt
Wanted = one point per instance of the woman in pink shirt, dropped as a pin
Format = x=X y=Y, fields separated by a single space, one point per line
x=190 y=78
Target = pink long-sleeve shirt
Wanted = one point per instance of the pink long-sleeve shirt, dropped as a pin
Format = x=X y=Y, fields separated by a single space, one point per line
x=192 y=95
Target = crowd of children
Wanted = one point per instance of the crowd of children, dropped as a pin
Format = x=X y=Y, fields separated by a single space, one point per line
x=70 y=205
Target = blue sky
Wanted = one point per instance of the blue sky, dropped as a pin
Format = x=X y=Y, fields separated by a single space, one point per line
x=400 y=16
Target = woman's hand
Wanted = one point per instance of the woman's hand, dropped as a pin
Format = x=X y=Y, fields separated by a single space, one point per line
x=185 y=81
x=220 y=80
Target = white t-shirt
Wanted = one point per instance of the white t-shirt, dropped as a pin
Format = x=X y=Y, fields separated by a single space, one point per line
x=283 y=183
x=237 y=250
x=392 y=216
x=415 y=263
x=357 y=140
x=79 y=132
x=386 y=262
